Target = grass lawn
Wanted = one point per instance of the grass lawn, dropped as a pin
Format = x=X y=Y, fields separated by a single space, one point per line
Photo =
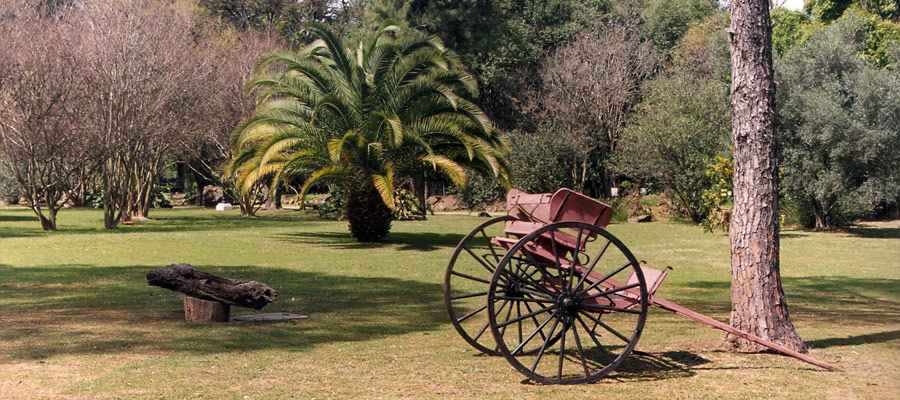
x=78 y=320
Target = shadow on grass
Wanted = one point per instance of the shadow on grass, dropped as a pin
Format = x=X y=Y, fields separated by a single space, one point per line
x=832 y=299
x=879 y=337
x=18 y=218
x=421 y=241
x=159 y=222
x=47 y=311
x=875 y=233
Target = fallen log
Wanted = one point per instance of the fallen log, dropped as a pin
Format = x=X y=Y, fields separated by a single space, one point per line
x=203 y=285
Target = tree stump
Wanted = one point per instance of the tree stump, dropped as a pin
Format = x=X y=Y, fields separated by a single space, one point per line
x=199 y=310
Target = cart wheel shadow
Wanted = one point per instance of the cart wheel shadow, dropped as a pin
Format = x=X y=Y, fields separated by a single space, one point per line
x=644 y=366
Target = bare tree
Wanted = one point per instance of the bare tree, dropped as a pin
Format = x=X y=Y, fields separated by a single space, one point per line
x=225 y=103
x=758 y=303
x=591 y=85
x=41 y=144
x=141 y=76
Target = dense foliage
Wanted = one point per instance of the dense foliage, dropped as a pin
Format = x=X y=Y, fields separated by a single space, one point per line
x=840 y=125
x=683 y=122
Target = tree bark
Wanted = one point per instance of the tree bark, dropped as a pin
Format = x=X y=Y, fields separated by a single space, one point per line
x=758 y=303
x=420 y=190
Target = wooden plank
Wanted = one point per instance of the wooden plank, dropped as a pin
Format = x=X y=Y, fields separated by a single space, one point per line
x=688 y=313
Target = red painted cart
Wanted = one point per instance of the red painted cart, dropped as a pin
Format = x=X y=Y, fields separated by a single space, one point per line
x=564 y=300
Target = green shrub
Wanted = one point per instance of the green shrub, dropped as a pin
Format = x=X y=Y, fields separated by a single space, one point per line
x=540 y=161
x=408 y=206
x=334 y=203
x=9 y=188
x=479 y=192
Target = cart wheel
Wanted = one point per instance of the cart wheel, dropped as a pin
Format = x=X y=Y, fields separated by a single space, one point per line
x=587 y=316
x=466 y=282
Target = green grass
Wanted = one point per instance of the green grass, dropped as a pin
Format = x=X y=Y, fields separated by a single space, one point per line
x=78 y=320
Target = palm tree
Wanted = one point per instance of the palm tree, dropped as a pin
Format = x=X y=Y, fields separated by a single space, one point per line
x=363 y=118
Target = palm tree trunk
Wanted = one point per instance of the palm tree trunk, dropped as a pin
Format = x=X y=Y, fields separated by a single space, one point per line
x=369 y=218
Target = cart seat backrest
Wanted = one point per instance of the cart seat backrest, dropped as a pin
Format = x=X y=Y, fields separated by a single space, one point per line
x=653 y=277
x=569 y=206
x=535 y=207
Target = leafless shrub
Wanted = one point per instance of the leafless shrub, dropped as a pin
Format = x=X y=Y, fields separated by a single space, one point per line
x=42 y=144
x=591 y=85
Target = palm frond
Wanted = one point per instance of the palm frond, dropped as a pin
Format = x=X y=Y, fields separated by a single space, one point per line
x=384 y=184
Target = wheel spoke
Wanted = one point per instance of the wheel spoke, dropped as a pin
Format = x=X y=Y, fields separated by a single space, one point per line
x=481 y=332
x=544 y=346
x=466 y=296
x=580 y=349
x=591 y=334
x=562 y=349
x=521 y=317
x=605 y=277
x=527 y=307
x=575 y=258
x=480 y=261
x=608 y=328
x=556 y=258
x=539 y=329
x=469 y=315
x=611 y=308
x=508 y=313
x=593 y=264
x=524 y=299
x=611 y=291
x=519 y=312
x=535 y=293
x=490 y=246
x=528 y=281
x=460 y=274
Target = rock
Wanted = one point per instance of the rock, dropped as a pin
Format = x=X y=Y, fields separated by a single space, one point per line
x=212 y=195
x=445 y=203
x=484 y=214
x=224 y=207
x=640 y=218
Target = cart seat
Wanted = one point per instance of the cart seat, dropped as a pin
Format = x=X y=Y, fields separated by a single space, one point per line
x=569 y=206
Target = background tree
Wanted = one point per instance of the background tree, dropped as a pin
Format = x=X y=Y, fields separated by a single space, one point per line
x=503 y=42
x=590 y=87
x=757 y=299
x=135 y=103
x=225 y=103
x=882 y=26
x=665 y=21
x=42 y=144
x=839 y=125
x=683 y=120
x=331 y=114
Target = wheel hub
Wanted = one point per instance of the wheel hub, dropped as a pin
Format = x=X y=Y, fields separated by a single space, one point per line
x=568 y=303
x=513 y=290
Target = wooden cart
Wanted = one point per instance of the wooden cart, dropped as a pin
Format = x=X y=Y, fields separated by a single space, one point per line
x=565 y=301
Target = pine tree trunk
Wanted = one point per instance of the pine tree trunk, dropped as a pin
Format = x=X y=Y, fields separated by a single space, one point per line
x=758 y=304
